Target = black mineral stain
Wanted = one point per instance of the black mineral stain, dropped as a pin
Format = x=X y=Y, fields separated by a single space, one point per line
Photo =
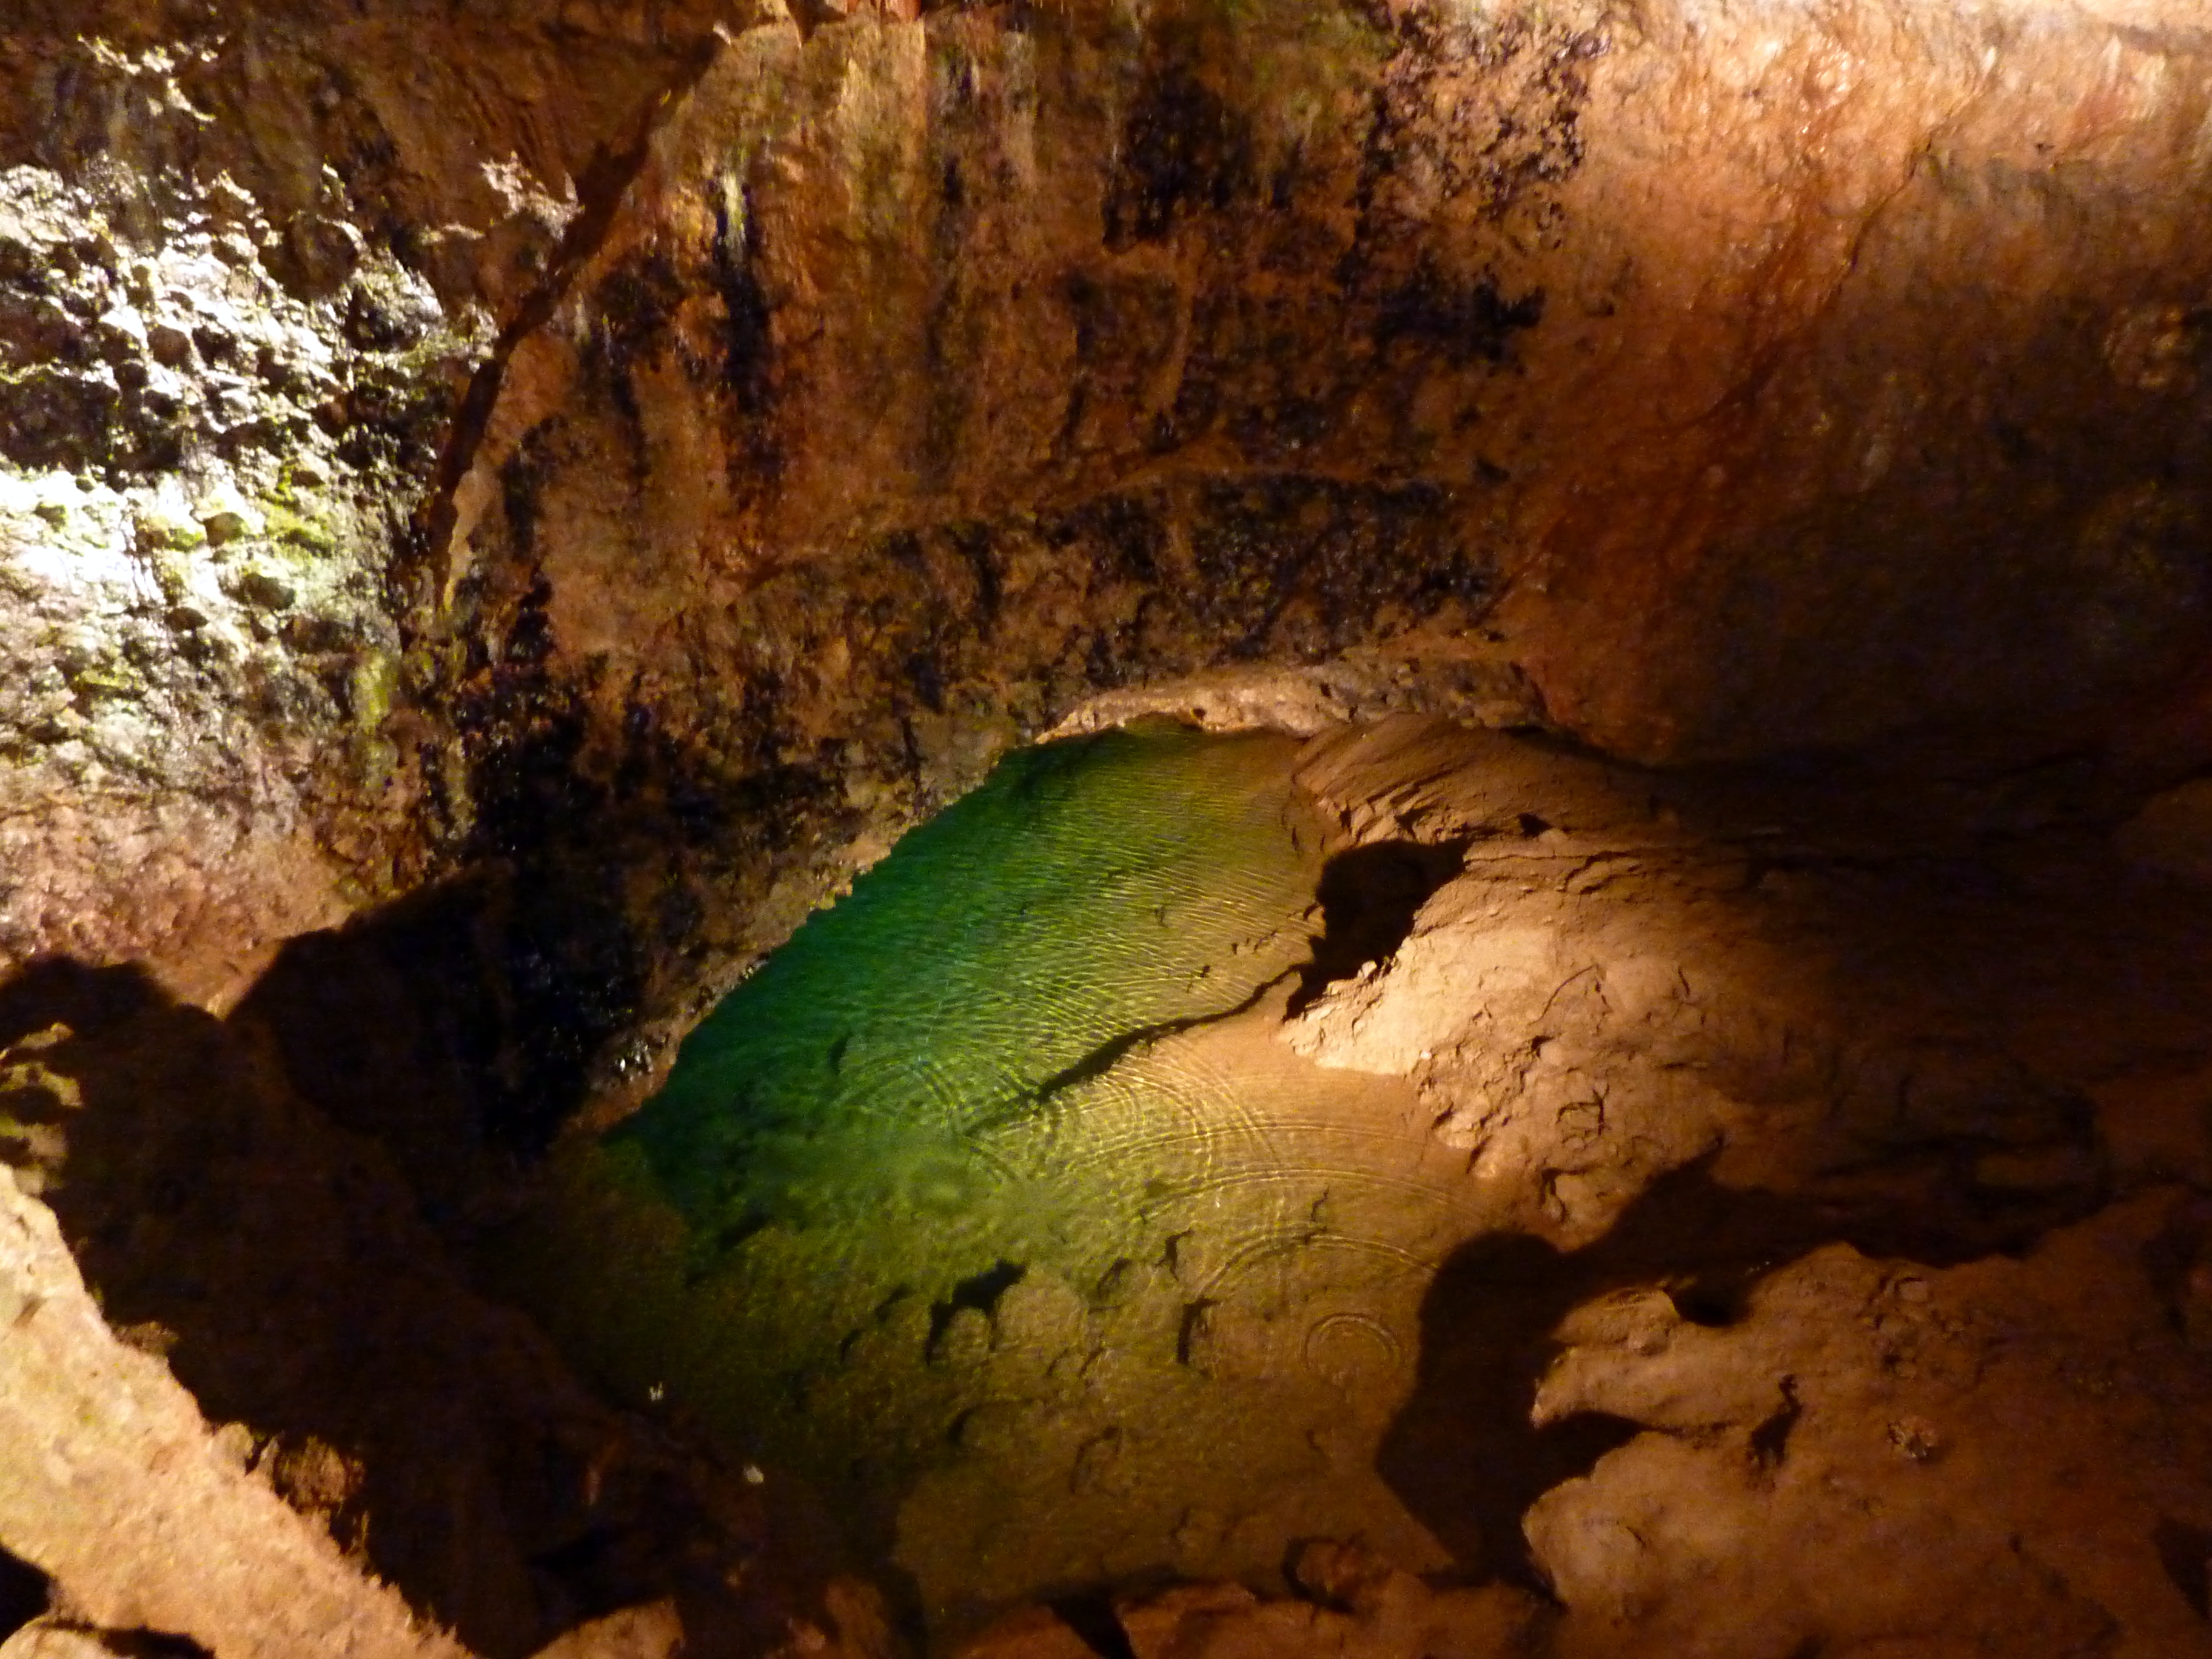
x=1457 y=320
x=748 y=340
x=1182 y=149
x=1288 y=566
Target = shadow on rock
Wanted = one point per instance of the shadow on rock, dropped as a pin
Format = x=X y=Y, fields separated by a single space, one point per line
x=453 y=1026
x=1369 y=897
x=1462 y=1455
x=281 y=1268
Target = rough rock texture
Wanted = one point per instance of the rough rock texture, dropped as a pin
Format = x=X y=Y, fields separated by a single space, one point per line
x=1873 y=1459
x=251 y=258
x=1633 y=975
x=1355 y=1605
x=634 y=457
x=2004 y=1456
x=1751 y=378
x=196 y=520
x=672 y=447
x=124 y=1497
x=1835 y=1151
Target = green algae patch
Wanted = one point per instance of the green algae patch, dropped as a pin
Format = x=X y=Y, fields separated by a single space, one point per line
x=293 y=530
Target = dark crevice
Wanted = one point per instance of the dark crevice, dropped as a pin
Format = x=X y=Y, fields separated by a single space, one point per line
x=1368 y=897
x=149 y=1644
x=1769 y=1441
x=1717 y=1297
x=24 y=1593
x=2186 y=1553
x=1091 y=1618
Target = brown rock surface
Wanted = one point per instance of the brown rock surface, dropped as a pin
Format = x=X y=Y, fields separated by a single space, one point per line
x=2006 y=1455
x=607 y=412
x=115 y=1487
x=633 y=459
x=1872 y=1318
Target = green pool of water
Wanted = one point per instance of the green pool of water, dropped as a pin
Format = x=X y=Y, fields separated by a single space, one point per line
x=934 y=1113
x=991 y=1208
x=1090 y=896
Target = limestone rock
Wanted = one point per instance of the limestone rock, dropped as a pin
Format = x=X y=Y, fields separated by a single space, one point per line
x=1896 y=1426
x=52 y=1638
x=639 y=458
x=1360 y=1608
x=652 y=1631
x=128 y=1502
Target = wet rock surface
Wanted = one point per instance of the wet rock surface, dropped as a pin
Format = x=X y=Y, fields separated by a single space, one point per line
x=1813 y=1316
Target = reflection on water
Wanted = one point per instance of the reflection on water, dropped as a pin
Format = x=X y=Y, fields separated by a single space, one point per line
x=989 y=1205
x=898 y=1049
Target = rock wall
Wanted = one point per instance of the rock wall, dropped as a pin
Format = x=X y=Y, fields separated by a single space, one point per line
x=251 y=259
x=563 y=485
x=1701 y=380
x=677 y=446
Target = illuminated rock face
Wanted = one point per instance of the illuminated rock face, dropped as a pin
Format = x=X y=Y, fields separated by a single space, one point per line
x=1710 y=380
x=1760 y=377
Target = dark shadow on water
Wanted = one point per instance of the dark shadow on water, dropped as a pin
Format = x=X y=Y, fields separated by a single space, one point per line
x=1368 y=897
x=1109 y=1055
x=979 y=1293
x=1461 y=1454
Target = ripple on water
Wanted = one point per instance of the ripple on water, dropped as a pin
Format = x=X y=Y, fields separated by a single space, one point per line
x=962 y=1206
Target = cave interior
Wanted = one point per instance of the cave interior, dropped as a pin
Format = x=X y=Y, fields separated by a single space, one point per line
x=1105 y=829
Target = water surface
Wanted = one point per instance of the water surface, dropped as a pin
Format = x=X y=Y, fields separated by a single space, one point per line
x=989 y=1205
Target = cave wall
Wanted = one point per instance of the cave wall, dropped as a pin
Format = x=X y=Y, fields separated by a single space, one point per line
x=638 y=458
x=1763 y=377
x=1701 y=381
x=438 y=433
x=251 y=258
